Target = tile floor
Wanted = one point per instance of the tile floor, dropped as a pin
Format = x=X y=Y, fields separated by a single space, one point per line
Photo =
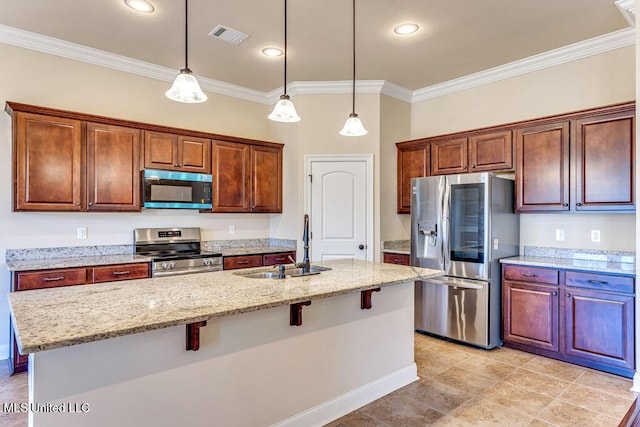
x=463 y=386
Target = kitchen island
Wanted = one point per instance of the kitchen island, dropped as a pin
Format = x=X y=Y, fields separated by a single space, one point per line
x=114 y=353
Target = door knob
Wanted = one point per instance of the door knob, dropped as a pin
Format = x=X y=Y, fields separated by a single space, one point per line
x=361 y=247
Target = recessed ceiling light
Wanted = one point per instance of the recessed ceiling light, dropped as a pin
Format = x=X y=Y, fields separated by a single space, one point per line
x=406 y=29
x=140 y=5
x=272 y=51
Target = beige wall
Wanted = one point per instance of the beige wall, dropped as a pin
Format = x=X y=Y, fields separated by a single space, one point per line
x=36 y=78
x=395 y=125
x=598 y=80
x=317 y=133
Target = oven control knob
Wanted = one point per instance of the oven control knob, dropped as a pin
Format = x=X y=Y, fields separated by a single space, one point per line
x=172 y=265
x=165 y=265
x=206 y=261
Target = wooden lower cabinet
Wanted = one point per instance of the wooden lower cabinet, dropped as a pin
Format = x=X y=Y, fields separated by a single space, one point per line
x=279 y=258
x=530 y=315
x=587 y=319
x=400 y=259
x=241 y=261
x=599 y=327
x=42 y=279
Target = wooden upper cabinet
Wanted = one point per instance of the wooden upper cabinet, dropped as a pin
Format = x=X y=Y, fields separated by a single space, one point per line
x=605 y=162
x=47 y=163
x=491 y=151
x=194 y=154
x=449 y=156
x=176 y=152
x=266 y=179
x=231 y=175
x=113 y=168
x=542 y=168
x=413 y=162
x=246 y=178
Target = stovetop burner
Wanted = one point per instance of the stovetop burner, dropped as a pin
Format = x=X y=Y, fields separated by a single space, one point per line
x=175 y=251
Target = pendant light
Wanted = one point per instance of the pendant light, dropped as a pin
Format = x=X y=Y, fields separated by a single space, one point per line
x=185 y=87
x=353 y=126
x=284 y=110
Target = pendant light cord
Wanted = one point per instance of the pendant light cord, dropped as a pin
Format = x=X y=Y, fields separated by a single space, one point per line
x=186 y=34
x=353 y=91
x=285 y=47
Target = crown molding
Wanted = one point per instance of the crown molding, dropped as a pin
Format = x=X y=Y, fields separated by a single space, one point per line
x=53 y=46
x=615 y=40
x=65 y=49
x=628 y=10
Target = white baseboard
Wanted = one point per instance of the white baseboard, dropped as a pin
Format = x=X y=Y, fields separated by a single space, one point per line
x=636 y=383
x=335 y=408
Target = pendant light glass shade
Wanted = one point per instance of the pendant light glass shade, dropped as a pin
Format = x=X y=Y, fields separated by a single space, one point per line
x=185 y=87
x=284 y=111
x=353 y=126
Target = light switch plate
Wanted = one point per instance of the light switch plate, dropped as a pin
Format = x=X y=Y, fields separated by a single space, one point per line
x=595 y=236
x=559 y=234
x=232 y=229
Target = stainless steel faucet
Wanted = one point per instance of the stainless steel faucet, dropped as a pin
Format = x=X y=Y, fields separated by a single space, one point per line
x=305 y=265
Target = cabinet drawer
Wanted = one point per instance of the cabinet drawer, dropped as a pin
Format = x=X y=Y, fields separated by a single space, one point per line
x=400 y=259
x=51 y=278
x=531 y=274
x=231 y=263
x=114 y=273
x=275 y=259
x=601 y=282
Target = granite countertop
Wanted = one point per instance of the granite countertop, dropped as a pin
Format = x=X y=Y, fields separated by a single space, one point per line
x=402 y=251
x=624 y=268
x=254 y=250
x=52 y=318
x=82 y=261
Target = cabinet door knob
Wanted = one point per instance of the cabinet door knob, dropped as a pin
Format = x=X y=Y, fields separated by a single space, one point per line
x=90 y=203
x=568 y=295
x=554 y=293
x=360 y=247
x=565 y=204
x=578 y=204
x=473 y=167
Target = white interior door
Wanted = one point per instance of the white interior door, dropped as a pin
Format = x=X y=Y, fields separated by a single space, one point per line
x=339 y=210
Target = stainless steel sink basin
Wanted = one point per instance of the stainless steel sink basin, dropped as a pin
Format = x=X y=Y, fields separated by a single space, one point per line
x=260 y=275
x=273 y=273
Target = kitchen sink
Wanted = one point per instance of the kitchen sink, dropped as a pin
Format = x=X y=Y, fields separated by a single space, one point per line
x=273 y=274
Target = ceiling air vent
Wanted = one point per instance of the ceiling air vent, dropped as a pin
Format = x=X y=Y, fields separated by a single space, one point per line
x=228 y=34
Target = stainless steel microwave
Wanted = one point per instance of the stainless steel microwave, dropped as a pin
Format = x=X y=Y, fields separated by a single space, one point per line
x=175 y=190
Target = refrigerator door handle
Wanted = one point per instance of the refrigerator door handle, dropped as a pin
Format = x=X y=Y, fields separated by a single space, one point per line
x=446 y=225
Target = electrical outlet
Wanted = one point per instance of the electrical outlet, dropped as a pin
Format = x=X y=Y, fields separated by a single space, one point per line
x=559 y=234
x=81 y=233
x=595 y=235
x=232 y=229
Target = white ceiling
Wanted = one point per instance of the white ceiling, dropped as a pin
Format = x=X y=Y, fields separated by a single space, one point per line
x=456 y=38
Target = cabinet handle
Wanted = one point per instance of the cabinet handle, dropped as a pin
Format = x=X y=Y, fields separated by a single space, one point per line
x=242 y=262
x=578 y=204
x=90 y=203
x=473 y=167
x=529 y=275
x=600 y=282
x=53 y=279
x=120 y=273
x=555 y=293
x=77 y=203
x=565 y=204
x=568 y=295
x=279 y=259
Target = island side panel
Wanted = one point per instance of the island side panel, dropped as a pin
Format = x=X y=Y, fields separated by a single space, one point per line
x=252 y=369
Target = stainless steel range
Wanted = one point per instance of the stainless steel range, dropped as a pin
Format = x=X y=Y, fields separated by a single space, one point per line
x=175 y=251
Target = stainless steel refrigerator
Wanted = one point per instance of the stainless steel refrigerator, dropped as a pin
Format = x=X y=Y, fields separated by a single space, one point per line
x=462 y=224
